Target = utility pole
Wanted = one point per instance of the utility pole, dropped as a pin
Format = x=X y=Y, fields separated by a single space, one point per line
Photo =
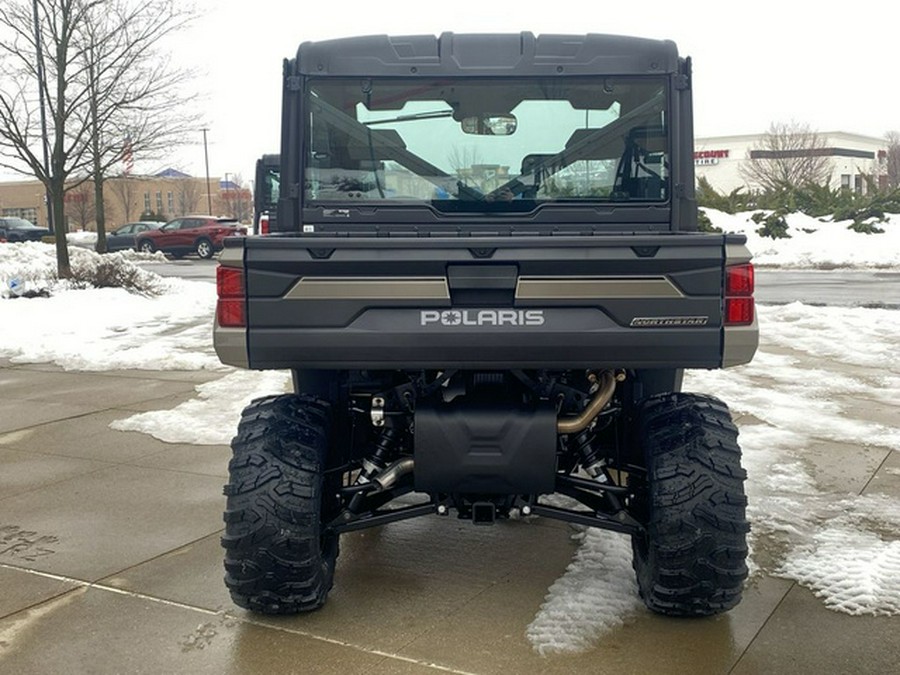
x=208 y=190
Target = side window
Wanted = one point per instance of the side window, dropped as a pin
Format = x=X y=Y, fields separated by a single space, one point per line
x=273 y=185
x=175 y=225
x=127 y=229
x=140 y=228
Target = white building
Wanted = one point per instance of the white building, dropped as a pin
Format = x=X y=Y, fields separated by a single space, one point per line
x=719 y=158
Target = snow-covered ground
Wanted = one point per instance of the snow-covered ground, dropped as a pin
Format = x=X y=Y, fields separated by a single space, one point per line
x=816 y=243
x=800 y=396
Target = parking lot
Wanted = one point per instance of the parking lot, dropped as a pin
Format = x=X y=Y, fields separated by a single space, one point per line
x=110 y=563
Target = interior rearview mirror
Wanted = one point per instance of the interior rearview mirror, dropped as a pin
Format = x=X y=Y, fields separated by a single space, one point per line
x=489 y=125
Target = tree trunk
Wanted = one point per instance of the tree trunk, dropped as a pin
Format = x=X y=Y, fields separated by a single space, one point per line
x=57 y=196
x=58 y=159
x=99 y=209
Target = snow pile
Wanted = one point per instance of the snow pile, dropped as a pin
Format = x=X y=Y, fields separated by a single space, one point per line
x=597 y=593
x=816 y=243
x=101 y=329
x=82 y=239
x=88 y=240
x=26 y=268
x=29 y=269
x=212 y=417
x=139 y=257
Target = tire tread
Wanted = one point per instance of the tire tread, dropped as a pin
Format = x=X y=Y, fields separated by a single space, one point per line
x=692 y=560
x=276 y=560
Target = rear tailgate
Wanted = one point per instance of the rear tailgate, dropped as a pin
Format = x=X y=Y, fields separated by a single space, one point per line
x=648 y=301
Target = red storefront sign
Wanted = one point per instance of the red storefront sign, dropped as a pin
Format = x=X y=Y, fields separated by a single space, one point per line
x=703 y=157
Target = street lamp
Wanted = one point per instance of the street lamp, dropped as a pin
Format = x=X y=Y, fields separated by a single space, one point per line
x=206 y=158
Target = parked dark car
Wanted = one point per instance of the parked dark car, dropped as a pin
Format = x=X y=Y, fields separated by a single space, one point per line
x=202 y=235
x=19 y=229
x=125 y=237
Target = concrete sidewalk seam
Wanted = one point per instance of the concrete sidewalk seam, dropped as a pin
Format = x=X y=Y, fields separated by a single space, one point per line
x=81 y=583
x=762 y=627
x=881 y=464
x=37 y=488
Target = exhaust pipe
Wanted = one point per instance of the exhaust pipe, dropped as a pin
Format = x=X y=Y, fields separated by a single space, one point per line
x=605 y=391
x=394 y=472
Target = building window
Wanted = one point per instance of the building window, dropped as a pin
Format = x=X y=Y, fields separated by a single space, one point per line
x=29 y=214
x=845 y=181
x=858 y=183
x=146 y=202
x=170 y=198
x=159 y=202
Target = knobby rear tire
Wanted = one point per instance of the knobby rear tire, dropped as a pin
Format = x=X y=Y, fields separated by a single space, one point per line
x=278 y=559
x=692 y=559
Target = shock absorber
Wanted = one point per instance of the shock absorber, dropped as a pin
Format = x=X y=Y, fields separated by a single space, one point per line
x=381 y=456
x=591 y=458
x=377 y=462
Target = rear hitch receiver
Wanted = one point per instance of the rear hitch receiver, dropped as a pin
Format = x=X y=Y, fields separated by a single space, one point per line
x=483 y=513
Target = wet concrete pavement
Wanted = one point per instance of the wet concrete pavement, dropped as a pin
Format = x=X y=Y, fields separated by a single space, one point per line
x=849 y=288
x=110 y=563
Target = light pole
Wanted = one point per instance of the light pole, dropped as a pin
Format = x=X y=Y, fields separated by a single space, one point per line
x=206 y=159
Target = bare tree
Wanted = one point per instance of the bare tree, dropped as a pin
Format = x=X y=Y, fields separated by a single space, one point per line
x=789 y=154
x=892 y=170
x=131 y=84
x=54 y=27
x=126 y=189
x=462 y=158
x=80 y=205
x=238 y=199
x=187 y=197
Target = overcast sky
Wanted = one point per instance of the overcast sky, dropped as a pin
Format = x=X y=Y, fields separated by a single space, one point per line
x=832 y=65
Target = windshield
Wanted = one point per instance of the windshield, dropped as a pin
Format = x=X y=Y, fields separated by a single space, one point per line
x=487 y=145
x=18 y=224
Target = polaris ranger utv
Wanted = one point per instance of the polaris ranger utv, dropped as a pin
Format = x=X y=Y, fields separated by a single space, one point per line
x=487 y=280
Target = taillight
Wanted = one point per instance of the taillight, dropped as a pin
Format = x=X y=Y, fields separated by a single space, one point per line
x=231 y=308
x=739 y=286
x=264 y=224
x=739 y=280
